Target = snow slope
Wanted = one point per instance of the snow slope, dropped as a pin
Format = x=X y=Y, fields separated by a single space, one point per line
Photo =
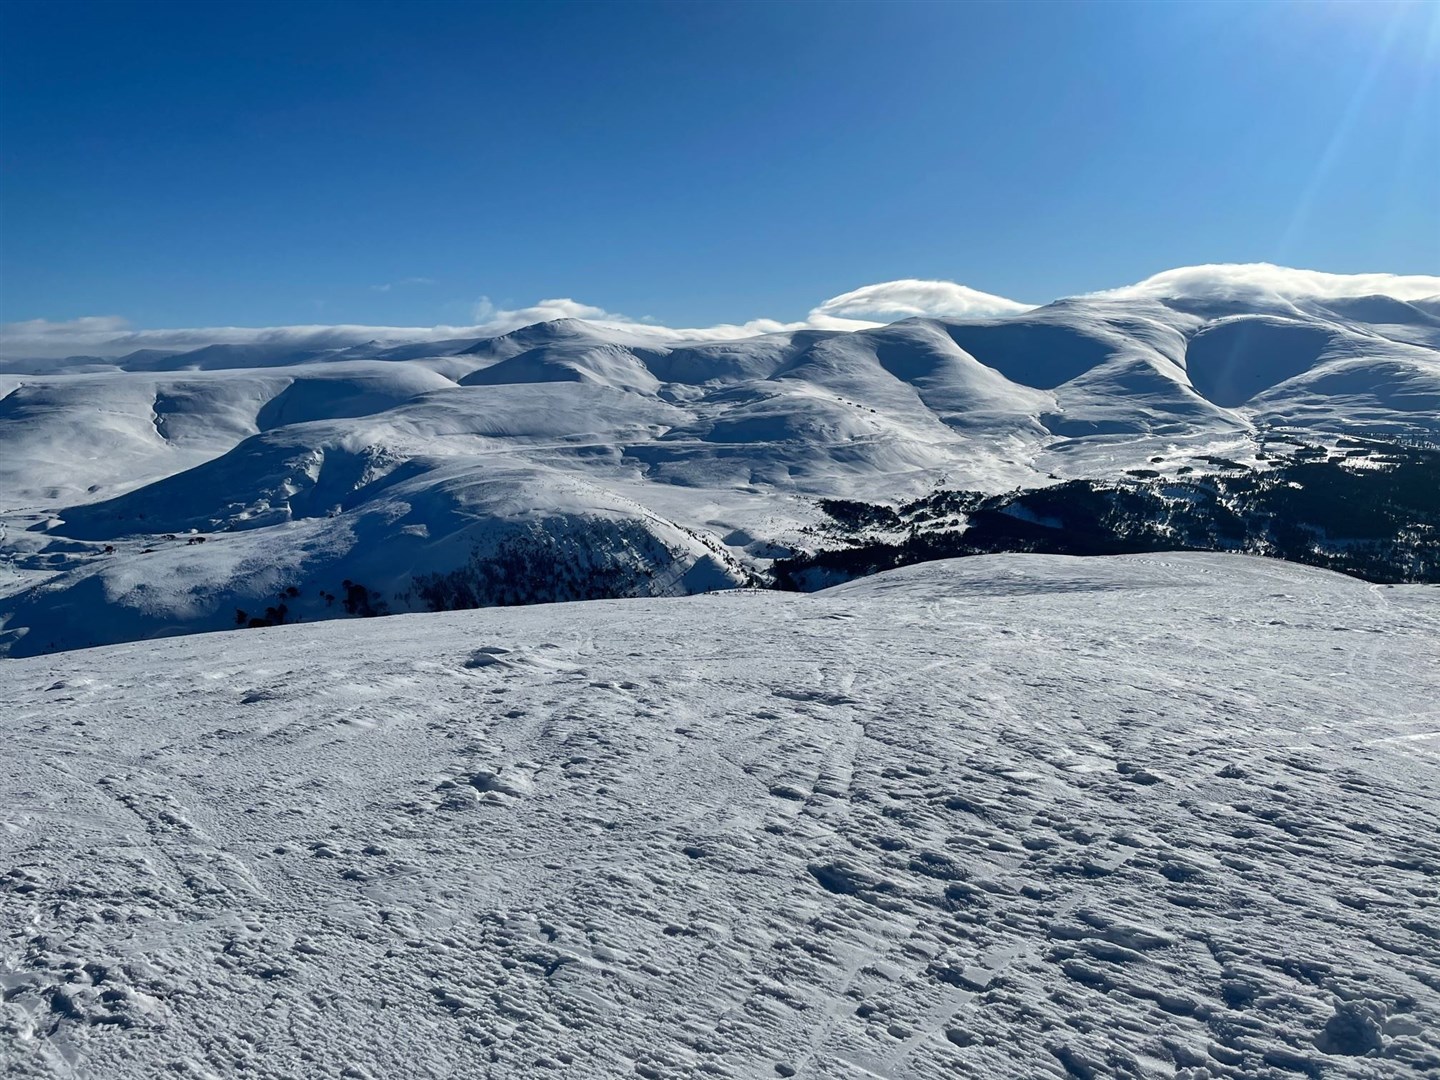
x=633 y=456
x=1011 y=816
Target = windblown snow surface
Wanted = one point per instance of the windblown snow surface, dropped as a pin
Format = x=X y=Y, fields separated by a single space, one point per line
x=1010 y=816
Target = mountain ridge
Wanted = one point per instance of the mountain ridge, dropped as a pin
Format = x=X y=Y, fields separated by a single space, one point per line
x=349 y=464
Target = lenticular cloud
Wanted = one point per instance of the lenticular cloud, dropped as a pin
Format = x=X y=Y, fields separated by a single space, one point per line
x=1265 y=282
x=909 y=297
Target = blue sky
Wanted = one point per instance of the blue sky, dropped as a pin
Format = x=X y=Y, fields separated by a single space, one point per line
x=210 y=164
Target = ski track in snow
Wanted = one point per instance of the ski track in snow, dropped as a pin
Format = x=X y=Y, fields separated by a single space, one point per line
x=1012 y=816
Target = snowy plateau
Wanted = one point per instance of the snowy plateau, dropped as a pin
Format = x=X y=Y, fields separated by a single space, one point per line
x=1008 y=816
x=792 y=793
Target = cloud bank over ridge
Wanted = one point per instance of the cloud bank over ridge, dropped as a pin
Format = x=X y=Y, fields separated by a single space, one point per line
x=1261 y=283
x=867 y=306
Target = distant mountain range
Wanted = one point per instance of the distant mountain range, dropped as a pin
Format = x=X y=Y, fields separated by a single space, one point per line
x=161 y=491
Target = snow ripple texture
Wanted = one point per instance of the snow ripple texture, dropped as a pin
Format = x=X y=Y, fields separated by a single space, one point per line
x=1012 y=816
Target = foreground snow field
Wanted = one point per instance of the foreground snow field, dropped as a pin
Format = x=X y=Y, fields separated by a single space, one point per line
x=1007 y=816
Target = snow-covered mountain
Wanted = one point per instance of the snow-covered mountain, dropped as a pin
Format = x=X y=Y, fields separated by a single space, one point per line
x=166 y=490
x=1015 y=816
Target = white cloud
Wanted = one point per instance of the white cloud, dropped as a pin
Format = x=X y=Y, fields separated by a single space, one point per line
x=870 y=305
x=891 y=300
x=402 y=283
x=100 y=325
x=108 y=336
x=491 y=319
x=487 y=314
x=1267 y=283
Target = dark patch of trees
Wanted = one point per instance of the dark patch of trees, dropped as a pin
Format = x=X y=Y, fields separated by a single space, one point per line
x=613 y=559
x=1374 y=515
x=361 y=601
x=861 y=515
x=275 y=615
